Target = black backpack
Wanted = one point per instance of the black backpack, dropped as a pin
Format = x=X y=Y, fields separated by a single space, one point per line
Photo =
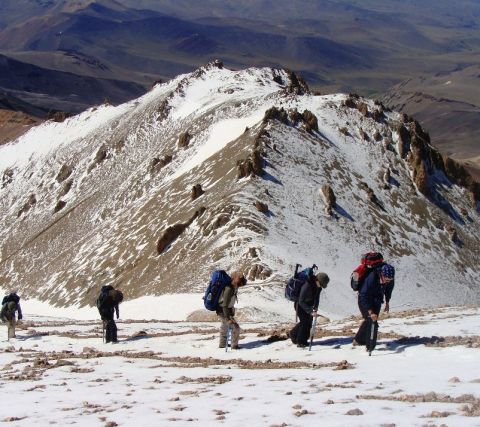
x=12 y=297
x=295 y=283
x=103 y=299
x=9 y=305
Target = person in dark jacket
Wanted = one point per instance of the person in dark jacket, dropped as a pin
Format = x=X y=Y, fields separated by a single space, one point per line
x=226 y=310
x=307 y=307
x=377 y=285
x=10 y=306
x=107 y=304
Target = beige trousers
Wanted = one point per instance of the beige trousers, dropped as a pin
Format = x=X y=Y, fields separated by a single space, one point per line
x=223 y=333
x=11 y=327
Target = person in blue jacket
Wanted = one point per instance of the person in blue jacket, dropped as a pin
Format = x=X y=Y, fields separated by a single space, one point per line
x=376 y=286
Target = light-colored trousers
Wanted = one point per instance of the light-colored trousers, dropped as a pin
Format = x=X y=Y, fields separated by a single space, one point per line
x=223 y=333
x=11 y=327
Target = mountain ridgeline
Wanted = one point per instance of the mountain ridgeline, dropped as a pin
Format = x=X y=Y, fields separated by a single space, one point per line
x=235 y=169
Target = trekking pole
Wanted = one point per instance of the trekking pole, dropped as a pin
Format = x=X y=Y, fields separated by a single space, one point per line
x=229 y=338
x=297 y=266
x=372 y=334
x=312 y=333
x=103 y=331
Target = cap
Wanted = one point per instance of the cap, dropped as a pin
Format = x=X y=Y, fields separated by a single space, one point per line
x=388 y=271
x=322 y=280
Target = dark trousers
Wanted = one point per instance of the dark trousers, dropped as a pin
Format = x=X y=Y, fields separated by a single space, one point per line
x=301 y=331
x=363 y=333
x=110 y=330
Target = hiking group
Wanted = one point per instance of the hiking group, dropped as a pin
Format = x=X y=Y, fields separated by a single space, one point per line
x=373 y=279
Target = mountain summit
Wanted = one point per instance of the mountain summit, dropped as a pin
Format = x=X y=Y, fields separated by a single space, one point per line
x=235 y=169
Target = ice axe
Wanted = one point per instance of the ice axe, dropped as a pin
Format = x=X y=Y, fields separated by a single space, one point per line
x=312 y=333
x=229 y=338
x=371 y=343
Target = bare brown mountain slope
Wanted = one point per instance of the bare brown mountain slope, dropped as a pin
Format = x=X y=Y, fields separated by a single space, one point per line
x=14 y=124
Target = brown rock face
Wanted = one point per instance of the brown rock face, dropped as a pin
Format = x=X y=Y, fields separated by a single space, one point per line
x=7 y=177
x=297 y=84
x=64 y=173
x=404 y=141
x=59 y=206
x=275 y=113
x=310 y=120
x=421 y=179
x=174 y=231
x=197 y=191
x=158 y=163
x=32 y=201
x=184 y=139
x=261 y=207
x=258 y=272
x=58 y=116
x=328 y=196
x=363 y=108
x=169 y=236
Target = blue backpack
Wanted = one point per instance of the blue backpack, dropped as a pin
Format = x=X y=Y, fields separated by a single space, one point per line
x=218 y=281
x=295 y=283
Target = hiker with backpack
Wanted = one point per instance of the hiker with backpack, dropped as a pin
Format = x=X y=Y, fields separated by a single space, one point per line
x=304 y=290
x=377 y=284
x=107 y=304
x=11 y=305
x=221 y=296
x=226 y=311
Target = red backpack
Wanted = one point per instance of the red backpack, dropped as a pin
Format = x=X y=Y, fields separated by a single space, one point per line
x=368 y=262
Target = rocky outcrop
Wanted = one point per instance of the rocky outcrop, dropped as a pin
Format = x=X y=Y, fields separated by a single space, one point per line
x=66 y=188
x=174 y=231
x=329 y=199
x=297 y=84
x=158 y=163
x=310 y=120
x=64 y=172
x=59 y=206
x=253 y=165
x=258 y=272
x=275 y=113
x=101 y=155
x=31 y=202
x=7 y=177
x=184 y=139
x=261 y=207
x=58 y=116
x=196 y=192
x=425 y=160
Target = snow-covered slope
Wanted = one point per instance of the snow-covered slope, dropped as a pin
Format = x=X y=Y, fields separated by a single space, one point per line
x=423 y=372
x=106 y=197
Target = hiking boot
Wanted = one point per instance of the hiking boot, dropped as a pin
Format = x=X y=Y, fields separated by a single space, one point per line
x=221 y=346
x=355 y=343
x=236 y=347
x=302 y=345
x=294 y=341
